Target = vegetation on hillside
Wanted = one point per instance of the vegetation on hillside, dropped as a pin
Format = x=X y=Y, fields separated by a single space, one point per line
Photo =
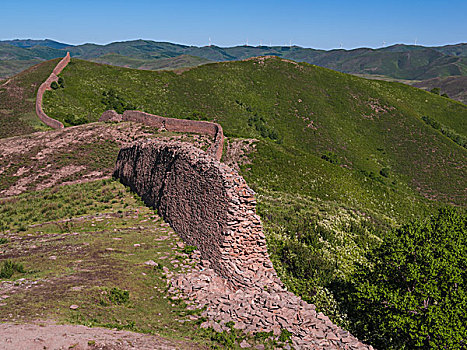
x=17 y=101
x=413 y=292
x=397 y=61
x=339 y=160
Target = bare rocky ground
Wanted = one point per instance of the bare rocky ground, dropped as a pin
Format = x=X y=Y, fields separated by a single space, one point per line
x=72 y=155
x=51 y=336
x=73 y=262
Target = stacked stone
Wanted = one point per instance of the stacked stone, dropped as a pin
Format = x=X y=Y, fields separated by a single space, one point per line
x=173 y=124
x=258 y=310
x=210 y=206
x=53 y=123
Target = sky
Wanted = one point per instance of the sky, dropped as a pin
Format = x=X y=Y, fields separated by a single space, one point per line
x=325 y=24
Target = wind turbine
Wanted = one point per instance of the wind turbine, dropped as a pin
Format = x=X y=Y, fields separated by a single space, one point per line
x=384 y=43
x=340 y=46
x=209 y=41
x=415 y=41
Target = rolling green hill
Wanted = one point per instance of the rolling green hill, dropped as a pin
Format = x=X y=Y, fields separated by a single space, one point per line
x=17 y=100
x=182 y=61
x=397 y=61
x=302 y=114
x=338 y=160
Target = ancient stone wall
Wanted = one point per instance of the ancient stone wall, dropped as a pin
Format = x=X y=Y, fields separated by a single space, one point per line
x=208 y=204
x=46 y=86
x=172 y=124
x=211 y=207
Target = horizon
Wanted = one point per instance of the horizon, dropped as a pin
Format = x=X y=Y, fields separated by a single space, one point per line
x=332 y=25
x=234 y=45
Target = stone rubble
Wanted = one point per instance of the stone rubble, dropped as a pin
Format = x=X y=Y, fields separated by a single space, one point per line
x=211 y=207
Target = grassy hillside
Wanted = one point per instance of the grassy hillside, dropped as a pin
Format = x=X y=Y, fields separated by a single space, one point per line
x=17 y=100
x=182 y=61
x=338 y=129
x=338 y=159
x=397 y=61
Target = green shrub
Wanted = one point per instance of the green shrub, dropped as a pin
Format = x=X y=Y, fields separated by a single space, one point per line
x=415 y=296
x=3 y=240
x=9 y=268
x=384 y=172
x=118 y=296
x=330 y=157
x=436 y=91
x=61 y=82
x=54 y=85
x=112 y=100
x=448 y=132
x=188 y=249
x=73 y=120
x=285 y=336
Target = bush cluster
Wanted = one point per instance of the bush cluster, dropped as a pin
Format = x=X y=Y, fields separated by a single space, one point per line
x=448 y=132
x=415 y=296
x=112 y=100
x=9 y=268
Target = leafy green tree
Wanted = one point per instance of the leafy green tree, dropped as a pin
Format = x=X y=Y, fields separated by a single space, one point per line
x=436 y=91
x=415 y=296
x=61 y=82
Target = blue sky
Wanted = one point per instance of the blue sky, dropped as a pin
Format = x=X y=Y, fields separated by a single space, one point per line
x=320 y=24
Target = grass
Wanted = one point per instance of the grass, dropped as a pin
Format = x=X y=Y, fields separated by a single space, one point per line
x=94 y=259
x=61 y=203
x=355 y=149
x=90 y=251
x=338 y=161
x=301 y=112
x=17 y=101
x=9 y=268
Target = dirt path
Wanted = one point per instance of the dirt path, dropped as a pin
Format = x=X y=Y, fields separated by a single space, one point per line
x=52 y=336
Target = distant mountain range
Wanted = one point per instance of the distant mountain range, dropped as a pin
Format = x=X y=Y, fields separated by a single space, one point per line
x=403 y=62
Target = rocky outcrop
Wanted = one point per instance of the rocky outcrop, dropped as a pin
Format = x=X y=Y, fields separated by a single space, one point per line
x=211 y=207
x=175 y=125
x=53 y=123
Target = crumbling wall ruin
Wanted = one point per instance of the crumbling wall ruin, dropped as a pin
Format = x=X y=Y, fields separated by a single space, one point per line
x=53 y=123
x=211 y=207
x=172 y=124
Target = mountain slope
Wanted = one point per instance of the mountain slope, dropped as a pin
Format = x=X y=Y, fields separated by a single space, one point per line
x=26 y=43
x=360 y=126
x=17 y=100
x=397 y=61
x=454 y=87
x=182 y=61
x=335 y=159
